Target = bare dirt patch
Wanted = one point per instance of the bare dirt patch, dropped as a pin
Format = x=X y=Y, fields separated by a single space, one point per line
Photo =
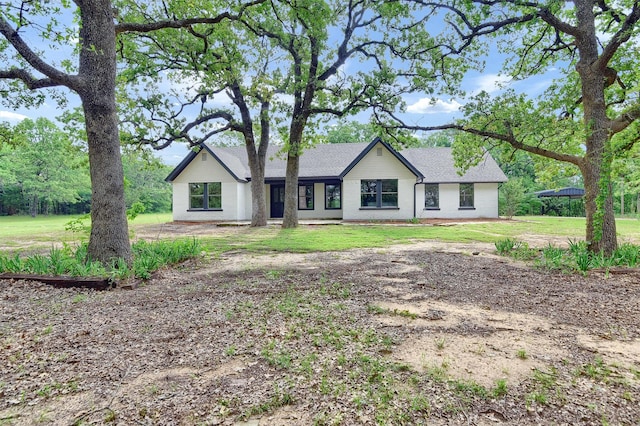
x=412 y=334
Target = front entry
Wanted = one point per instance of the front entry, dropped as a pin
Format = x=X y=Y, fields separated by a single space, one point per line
x=277 y=200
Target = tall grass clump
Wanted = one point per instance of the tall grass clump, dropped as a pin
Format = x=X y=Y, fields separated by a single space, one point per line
x=505 y=246
x=576 y=257
x=517 y=249
x=74 y=261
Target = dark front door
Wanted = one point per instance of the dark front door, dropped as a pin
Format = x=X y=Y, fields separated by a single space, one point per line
x=277 y=200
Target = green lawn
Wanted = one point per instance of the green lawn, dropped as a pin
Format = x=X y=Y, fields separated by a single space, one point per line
x=41 y=231
x=21 y=231
x=324 y=238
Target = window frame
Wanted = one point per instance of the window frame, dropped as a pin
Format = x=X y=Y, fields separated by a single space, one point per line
x=327 y=203
x=465 y=195
x=206 y=196
x=437 y=196
x=307 y=197
x=379 y=194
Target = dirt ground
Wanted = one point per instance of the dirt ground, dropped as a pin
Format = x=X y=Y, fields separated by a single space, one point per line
x=426 y=333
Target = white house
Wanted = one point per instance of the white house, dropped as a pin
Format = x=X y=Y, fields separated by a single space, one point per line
x=351 y=181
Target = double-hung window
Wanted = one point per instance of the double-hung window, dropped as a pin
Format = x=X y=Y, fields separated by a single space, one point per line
x=432 y=196
x=305 y=196
x=379 y=193
x=205 y=196
x=466 y=196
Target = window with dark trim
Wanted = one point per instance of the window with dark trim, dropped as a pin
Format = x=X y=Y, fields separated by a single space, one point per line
x=379 y=193
x=432 y=196
x=466 y=195
x=305 y=196
x=205 y=196
x=332 y=196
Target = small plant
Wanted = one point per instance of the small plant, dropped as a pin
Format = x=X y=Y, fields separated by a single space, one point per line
x=110 y=416
x=553 y=257
x=470 y=388
x=500 y=389
x=506 y=246
x=379 y=310
x=420 y=404
x=273 y=274
x=79 y=298
x=539 y=397
x=440 y=341
x=583 y=260
x=522 y=354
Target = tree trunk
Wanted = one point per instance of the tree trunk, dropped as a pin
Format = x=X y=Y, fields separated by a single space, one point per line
x=109 y=237
x=290 y=217
x=33 y=206
x=258 y=196
x=601 y=225
x=622 y=198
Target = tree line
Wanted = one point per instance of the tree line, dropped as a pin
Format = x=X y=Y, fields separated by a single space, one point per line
x=43 y=171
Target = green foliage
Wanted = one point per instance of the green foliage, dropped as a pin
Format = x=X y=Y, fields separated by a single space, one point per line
x=506 y=246
x=46 y=170
x=577 y=257
x=145 y=188
x=73 y=261
x=79 y=225
x=511 y=194
x=135 y=209
x=350 y=131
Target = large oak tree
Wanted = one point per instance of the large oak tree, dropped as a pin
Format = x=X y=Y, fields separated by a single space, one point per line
x=342 y=58
x=593 y=45
x=83 y=61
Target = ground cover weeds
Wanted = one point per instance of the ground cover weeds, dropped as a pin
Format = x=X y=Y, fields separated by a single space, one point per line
x=576 y=257
x=74 y=261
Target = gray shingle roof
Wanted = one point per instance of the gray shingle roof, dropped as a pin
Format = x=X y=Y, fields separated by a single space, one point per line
x=437 y=166
x=330 y=160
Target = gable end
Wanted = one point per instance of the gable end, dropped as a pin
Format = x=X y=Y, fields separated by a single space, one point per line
x=395 y=153
x=190 y=157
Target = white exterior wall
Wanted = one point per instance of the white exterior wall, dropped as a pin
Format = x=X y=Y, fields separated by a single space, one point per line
x=209 y=170
x=372 y=166
x=485 y=200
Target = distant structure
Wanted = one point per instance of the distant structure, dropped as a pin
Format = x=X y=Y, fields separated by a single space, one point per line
x=568 y=208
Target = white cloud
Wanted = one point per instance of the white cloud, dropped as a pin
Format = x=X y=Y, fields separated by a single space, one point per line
x=489 y=83
x=430 y=106
x=11 y=116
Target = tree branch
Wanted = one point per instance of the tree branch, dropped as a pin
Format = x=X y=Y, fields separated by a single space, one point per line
x=623 y=35
x=29 y=80
x=182 y=23
x=624 y=120
x=54 y=76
